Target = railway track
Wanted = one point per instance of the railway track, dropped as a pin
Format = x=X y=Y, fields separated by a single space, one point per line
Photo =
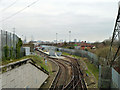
x=78 y=80
x=60 y=81
x=61 y=77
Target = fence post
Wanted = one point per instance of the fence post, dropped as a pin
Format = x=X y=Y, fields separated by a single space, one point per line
x=13 y=44
x=6 y=38
x=1 y=44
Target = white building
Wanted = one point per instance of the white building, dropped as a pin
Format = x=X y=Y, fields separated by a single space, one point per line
x=27 y=50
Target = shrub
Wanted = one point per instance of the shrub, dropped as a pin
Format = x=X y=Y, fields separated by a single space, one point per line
x=18 y=46
x=6 y=53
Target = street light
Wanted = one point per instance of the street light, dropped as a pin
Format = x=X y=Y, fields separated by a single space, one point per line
x=56 y=37
x=69 y=36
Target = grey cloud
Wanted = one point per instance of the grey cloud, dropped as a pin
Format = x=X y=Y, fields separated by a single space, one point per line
x=87 y=21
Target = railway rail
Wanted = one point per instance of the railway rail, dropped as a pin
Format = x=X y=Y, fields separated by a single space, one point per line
x=77 y=80
x=62 y=74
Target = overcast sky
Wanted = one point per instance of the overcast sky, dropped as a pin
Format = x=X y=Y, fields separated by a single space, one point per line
x=90 y=20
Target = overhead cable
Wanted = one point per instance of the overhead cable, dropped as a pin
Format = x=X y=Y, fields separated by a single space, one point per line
x=19 y=11
x=9 y=6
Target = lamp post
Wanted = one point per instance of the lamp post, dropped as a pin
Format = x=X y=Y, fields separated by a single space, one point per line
x=56 y=37
x=69 y=37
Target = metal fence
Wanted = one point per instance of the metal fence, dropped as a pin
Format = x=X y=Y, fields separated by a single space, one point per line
x=92 y=57
x=0 y=50
x=82 y=53
x=8 y=42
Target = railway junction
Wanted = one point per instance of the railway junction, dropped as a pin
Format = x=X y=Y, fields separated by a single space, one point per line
x=68 y=76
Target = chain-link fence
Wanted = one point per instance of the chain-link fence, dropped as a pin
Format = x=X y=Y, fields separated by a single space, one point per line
x=10 y=46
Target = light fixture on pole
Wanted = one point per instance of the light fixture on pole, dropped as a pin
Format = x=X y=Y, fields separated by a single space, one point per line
x=56 y=37
x=69 y=36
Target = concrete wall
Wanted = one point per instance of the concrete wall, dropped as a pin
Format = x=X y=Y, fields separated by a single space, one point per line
x=104 y=77
x=25 y=76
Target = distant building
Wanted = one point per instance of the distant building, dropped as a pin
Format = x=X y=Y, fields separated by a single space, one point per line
x=61 y=41
x=29 y=45
x=39 y=41
x=31 y=42
x=55 y=41
x=75 y=40
x=27 y=50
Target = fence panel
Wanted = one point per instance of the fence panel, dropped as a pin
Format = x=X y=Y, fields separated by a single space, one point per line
x=92 y=57
x=8 y=42
x=0 y=49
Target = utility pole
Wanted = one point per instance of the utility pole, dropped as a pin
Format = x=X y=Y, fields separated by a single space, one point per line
x=116 y=36
x=106 y=77
x=65 y=39
x=25 y=40
x=56 y=37
x=69 y=37
x=32 y=38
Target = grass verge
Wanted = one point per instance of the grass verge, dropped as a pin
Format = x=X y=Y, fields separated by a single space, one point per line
x=92 y=68
x=39 y=61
